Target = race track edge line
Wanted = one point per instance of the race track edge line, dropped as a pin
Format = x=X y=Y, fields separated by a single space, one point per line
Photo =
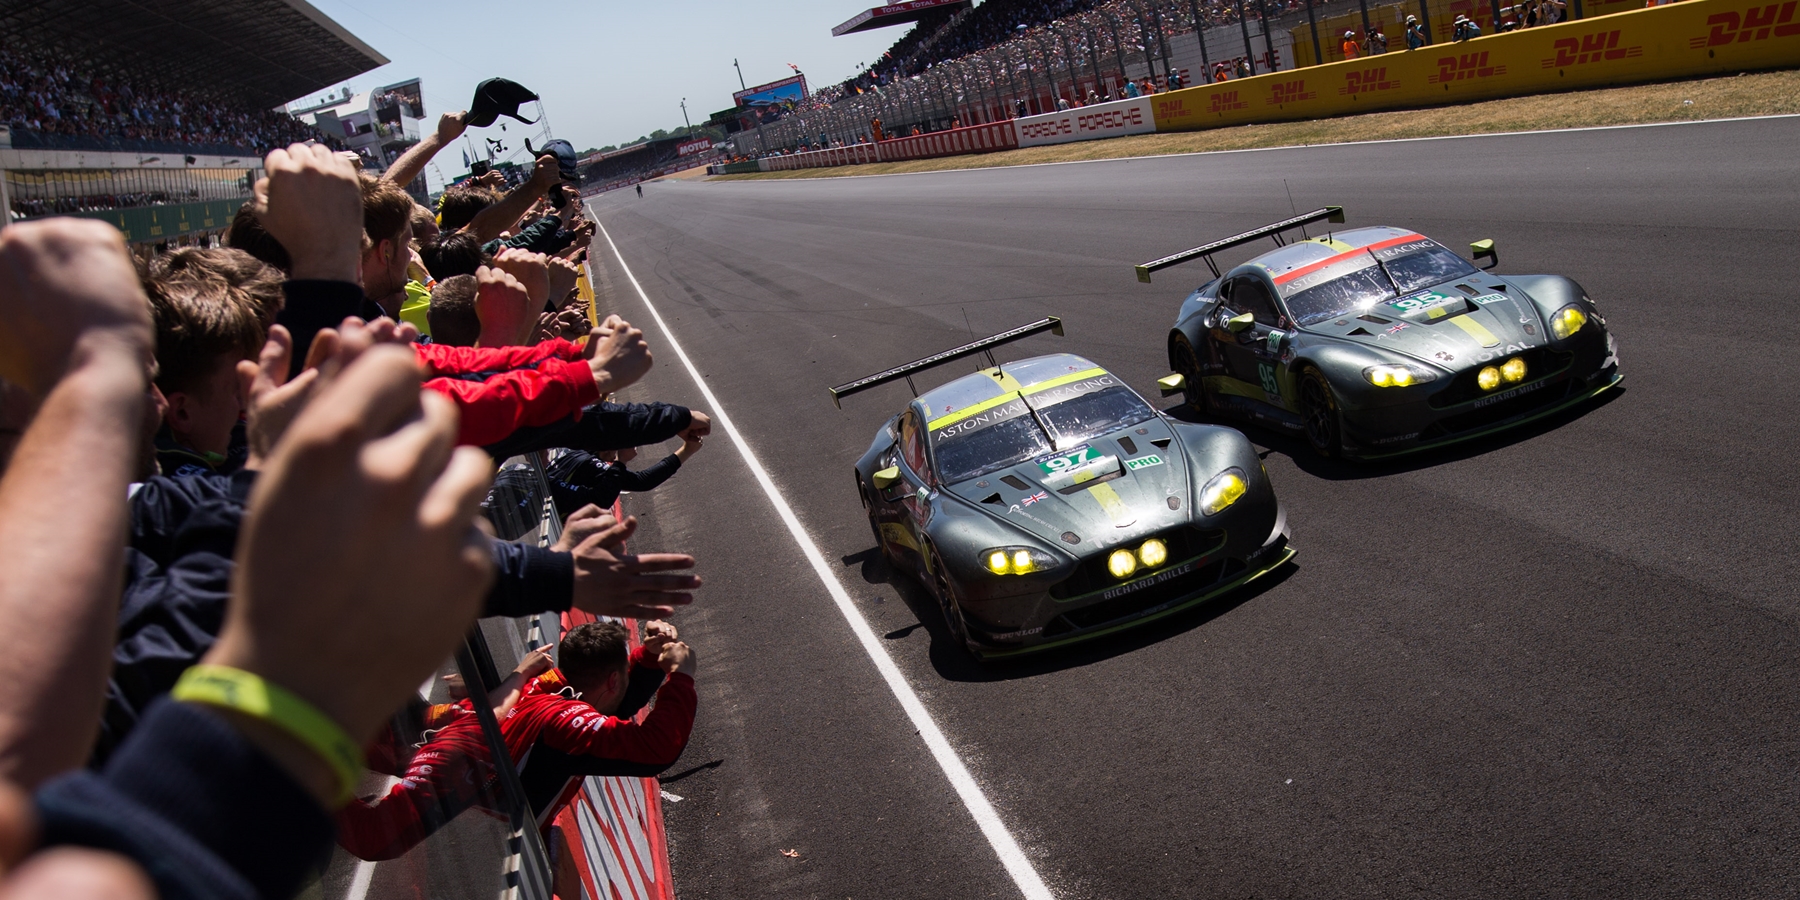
x=1011 y=855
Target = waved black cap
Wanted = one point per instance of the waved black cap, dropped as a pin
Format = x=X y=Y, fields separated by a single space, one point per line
x=498 y=97
x=565 y=157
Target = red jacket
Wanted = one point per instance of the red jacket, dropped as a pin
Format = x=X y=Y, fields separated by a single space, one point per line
x=502 y=390
x=453 y=770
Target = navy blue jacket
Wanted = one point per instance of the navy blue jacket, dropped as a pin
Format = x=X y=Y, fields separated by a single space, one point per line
x=178 y=567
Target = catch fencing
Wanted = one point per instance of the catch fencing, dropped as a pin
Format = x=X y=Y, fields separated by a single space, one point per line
x=1677 y=40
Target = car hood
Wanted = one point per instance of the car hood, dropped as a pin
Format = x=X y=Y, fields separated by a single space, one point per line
x=1445 y=326
x=1113 y=489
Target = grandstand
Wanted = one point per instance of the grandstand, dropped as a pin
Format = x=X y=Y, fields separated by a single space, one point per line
x=94 y=107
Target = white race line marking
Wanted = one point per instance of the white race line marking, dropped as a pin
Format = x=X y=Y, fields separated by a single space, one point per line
x=1011 y=856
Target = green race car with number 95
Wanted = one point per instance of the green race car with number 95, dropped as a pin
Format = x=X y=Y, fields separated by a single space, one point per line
x=1044 y=501
x=1376 y=341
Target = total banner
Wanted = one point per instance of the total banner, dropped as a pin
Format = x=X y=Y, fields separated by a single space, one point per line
x=1699 y=37
x=1132 y=115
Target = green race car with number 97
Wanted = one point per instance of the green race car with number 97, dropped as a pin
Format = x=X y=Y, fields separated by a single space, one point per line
x=1375 y=341
x=1044 y=501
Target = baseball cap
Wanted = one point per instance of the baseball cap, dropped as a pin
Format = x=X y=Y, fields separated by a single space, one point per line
x=565 y=157
x=498 y=97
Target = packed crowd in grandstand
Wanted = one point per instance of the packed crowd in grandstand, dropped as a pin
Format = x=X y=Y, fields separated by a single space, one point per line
x=55 y=101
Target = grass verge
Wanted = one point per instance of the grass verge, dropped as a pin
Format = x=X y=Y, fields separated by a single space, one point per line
x=1753 y=94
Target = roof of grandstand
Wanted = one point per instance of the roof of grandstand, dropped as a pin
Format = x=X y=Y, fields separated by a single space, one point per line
x=260 y=52
x=897 y=14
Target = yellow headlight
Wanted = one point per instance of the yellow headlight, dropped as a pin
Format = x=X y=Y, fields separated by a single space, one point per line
x=1021 y=561
x=1402 y=377
x=997 y=563
x=1381 y=377
x=1513 y=369
x=1154 y=553
x=1222 y=491
x=1567 y=321
x=1488 y=378
x=1121 y=563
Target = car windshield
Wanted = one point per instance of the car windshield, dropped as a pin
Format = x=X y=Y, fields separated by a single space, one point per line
x=1348 y=287
x=1086 y=409
x=986 y=442
x=1360 y=282
x=1422 y=264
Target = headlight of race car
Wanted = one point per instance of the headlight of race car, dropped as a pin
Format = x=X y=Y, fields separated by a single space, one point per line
x=1016 y=560
x=1567 y=321
x=1223 y=490
x=1398 y=375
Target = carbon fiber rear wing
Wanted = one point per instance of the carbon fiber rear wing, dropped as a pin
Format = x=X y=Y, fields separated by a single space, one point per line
x=1329 y=213
x=985 y=345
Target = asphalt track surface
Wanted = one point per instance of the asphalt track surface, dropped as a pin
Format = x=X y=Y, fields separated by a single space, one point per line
x=1558 y=663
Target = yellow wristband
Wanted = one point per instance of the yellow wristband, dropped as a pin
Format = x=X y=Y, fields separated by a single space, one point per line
x=249 y=694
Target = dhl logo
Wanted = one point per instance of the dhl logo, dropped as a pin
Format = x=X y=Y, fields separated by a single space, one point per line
x=1289 y=92
x=1467 y=66
x=1225 y=101
x=1754 y=24
x=1170 y=109
x=1590 y=48
x=1367 y=81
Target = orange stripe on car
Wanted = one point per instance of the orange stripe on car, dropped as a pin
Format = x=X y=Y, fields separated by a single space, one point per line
x=1286 y=277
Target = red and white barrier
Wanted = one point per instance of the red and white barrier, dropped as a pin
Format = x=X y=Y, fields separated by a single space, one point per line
x=955 y=142
x=1133 y=115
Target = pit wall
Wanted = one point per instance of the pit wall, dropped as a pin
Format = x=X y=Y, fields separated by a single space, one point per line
x=1677 y=40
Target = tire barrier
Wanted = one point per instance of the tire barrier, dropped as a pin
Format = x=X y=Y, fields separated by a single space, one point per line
x=954 y=142
x=1674 y=40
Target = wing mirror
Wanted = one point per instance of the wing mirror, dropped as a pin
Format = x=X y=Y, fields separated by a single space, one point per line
x=885 y=478
x=1240 y=324
x=1170 y=385
x=1484 y=249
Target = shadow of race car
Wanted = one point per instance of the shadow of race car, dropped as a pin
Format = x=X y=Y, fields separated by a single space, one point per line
x=1377 y=340
x=1044 y=501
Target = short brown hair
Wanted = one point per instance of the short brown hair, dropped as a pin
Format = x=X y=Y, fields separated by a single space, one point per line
x=461 y=204
x=259 y=281
x=387 y=209
x=593 y=651
x=451 y=314
x=454 y=253
x=247 y=234
x=200 y=318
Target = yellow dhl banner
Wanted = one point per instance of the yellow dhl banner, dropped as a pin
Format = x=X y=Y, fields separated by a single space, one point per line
x=1695 y=37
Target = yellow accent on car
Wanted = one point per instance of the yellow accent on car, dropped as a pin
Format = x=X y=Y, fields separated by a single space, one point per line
x=972 y=409
x=1006 y=382
x=1061 y=380
x=1111 y=503
x=1477 y=331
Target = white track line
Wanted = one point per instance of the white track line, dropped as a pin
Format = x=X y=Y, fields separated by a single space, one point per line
x=1011 y=856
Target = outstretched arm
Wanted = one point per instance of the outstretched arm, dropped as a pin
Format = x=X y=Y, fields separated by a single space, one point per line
x=412 y=162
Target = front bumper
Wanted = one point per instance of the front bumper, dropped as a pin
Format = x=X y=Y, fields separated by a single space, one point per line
x=1052 y=622
x=1583 y=371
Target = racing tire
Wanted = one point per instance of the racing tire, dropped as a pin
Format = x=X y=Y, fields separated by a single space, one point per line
x=1186 y=363
x=1319 y=411
x=947 y=603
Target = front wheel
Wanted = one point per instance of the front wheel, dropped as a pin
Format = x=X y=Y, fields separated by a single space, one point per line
x=946 y=597
x=1319 y=409
x=1186 y=363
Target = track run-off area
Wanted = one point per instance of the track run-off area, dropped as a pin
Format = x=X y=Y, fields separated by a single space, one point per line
x=1557 y=662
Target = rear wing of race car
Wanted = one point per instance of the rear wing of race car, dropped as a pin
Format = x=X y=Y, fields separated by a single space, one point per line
x=1330 y=213
x=985 y=345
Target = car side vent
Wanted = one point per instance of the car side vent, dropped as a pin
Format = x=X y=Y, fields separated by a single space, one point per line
x=1015 y=482
x=1370 y=317
x=1161 y=443
x=1468 y=290
x=994 y=499
x=1130 y=447
x=1359 y=331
